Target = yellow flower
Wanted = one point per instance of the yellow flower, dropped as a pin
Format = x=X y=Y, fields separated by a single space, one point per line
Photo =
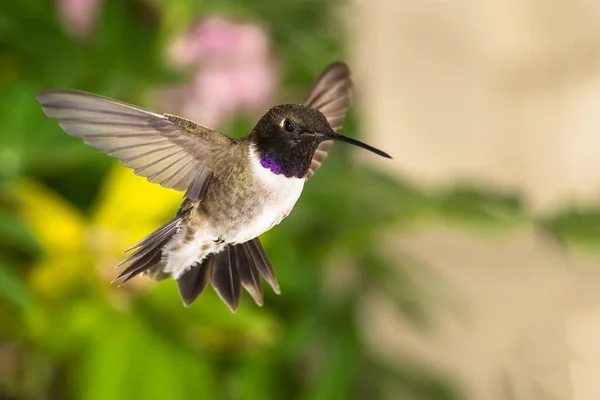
x=127 y=208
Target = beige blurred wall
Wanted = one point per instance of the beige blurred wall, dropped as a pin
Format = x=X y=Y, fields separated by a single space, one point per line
x=504 y=94
x=507 y=317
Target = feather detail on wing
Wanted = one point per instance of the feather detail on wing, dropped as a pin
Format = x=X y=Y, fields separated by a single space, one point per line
x=331 y=94
x=171 y=151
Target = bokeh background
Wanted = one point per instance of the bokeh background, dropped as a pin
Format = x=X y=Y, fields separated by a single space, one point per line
x=465 y=268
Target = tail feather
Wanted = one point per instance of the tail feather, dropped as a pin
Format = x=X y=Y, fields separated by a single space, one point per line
x=143 y=264
x=239 y=264
x=149 y=251
x=225 y=278
x=151 y=238
x=262 y=263
x=194 y=280
x=249 y=276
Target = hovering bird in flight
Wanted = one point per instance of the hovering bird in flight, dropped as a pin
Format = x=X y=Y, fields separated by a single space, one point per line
x=235 y=189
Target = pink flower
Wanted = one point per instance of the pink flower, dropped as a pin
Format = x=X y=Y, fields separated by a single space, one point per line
x=233 y=70
x=79 y=16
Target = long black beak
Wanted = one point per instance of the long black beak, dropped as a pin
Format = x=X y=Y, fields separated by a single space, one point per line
x=342 y=138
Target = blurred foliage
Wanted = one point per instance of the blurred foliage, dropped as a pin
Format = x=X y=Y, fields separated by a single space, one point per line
x=67 y=211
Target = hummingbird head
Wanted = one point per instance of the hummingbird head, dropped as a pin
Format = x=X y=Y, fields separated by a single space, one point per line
x=288 y=135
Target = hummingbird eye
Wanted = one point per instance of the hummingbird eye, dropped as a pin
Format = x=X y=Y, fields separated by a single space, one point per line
x=288 y=126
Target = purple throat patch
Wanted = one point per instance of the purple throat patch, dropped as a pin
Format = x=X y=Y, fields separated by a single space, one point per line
x=269 y=163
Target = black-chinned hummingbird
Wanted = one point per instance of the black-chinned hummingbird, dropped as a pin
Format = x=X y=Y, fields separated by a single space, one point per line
x=235 y=189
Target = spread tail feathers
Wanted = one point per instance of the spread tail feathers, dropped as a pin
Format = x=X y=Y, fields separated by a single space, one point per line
x=237 y=265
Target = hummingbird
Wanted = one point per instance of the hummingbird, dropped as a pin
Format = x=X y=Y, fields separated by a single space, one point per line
x=234 y=189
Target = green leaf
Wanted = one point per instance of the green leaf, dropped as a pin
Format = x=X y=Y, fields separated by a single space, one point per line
x=126 y=360
x=479 y=208
x=578 y=227
x=12 y=290
x=16 y=236
x=259 y=378
x=336 y=379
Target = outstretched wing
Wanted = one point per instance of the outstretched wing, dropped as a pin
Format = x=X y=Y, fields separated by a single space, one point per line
x=171 y=151
x=330 y=94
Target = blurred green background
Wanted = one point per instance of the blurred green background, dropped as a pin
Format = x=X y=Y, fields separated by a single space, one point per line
x=67 y=211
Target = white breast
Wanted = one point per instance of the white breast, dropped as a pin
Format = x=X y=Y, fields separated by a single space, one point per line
x=284 y=192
